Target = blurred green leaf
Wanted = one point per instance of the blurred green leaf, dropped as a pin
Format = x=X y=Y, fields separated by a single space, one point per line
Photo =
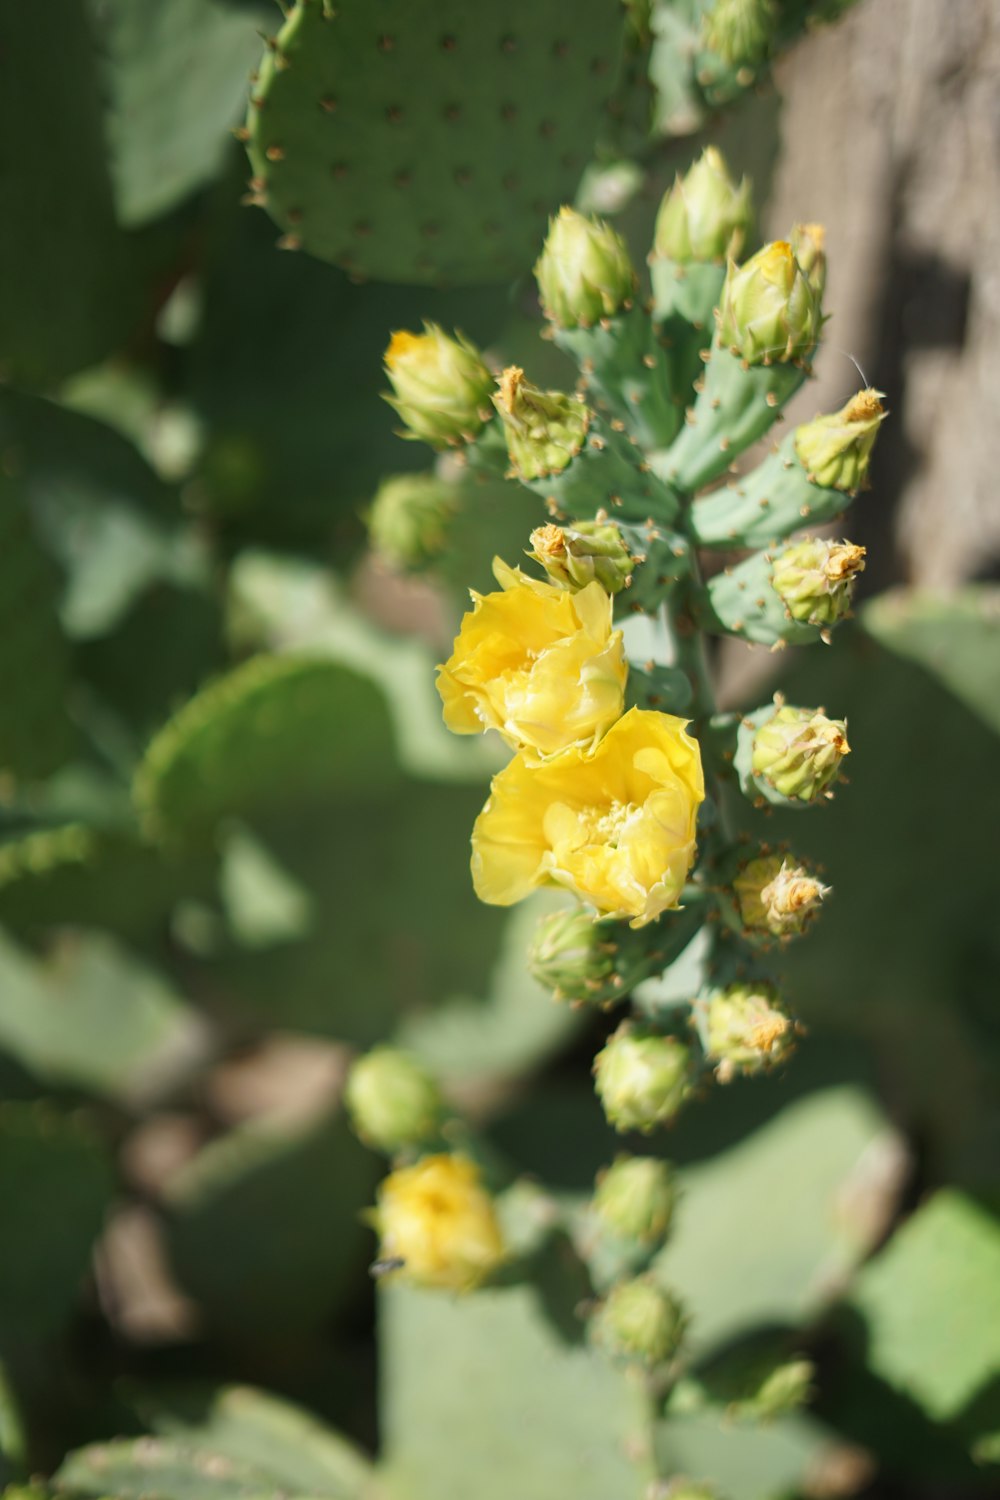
x=270 y=733
x=955 y=636
x=491 y=1396
x=80 y=876
x=178 y=76
x=285 y=1444
x=91 y=1016
x=68 y=289
x=907 y=948
x=36 y=736
x=56 y=1183
x=766 y=1231
x=931 y=1301
x=265 y=1227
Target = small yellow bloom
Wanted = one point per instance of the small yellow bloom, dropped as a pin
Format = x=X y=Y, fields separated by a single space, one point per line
x=439 y=1221
x=538 y=663
x=616 y=826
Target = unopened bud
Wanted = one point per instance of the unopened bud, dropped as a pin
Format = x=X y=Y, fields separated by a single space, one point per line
x=704 y=216
x=639 y=1323
x=570 y=954
x=642 y=1078
x=747 y=1031
x=408 y=521
x=835 y=450
x=438 y=1225
x=808 y=243
x=740 y=31
x=815 y=578
x=635 y=1199
x=583 y=552
x=777 y=896
x=544 y=429
x=442 y=385
x=783 y=1390
x=392 y=1101
x=584 y=272
x=769 y=312
x=799 y=752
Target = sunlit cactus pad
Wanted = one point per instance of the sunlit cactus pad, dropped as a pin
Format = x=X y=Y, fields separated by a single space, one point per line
x=428 y=142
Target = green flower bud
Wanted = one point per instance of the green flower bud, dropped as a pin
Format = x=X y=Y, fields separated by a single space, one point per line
x=740 y=31
x=639 y=1323
x=747 y=1032
x=408 y=521
x=769 y=311
x=815 y=578
x=799 y=752
x=584 y=272
x=808 y=246
x=704 y=216
x=635 y=1198
x=777 y=897
x=785 y=1389
x=392 y=1101
x=642 y=1078
x=834 y=450
x=544 y=429
x=576 y=555
x=570 y=954
x=442 y=386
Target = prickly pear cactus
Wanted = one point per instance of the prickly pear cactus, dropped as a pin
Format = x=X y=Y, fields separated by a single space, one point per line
x=416 y=143
x=592 y=664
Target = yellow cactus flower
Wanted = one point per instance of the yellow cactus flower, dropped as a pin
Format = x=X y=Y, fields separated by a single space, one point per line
x=437 y=1224
x=616 y=826
x=539 y=663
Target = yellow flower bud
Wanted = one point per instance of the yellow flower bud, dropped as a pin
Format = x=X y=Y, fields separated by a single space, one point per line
x=442 y=386
x=835 y=450
x=584 y=272
x=746 y=1030
x=704 y=216
x=777 y=896
x=615 y=826
x=538 y=663
x=544 y=429
x=585 y=552
x=769 y=311
x=798 y=751
x=641 y=1077
x=437 y=1224
x=410 y=518
x=815 y=578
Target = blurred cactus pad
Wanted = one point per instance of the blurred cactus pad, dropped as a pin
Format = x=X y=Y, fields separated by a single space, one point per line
x=497 y=929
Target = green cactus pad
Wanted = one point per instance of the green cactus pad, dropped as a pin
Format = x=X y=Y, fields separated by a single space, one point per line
x=270 y=733
x=81 y=876
x=61 y=1182
x=428 y=144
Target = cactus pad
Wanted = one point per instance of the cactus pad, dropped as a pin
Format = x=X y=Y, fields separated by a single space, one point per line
x=428 y=143
x=59 y=1178
x=267 y=734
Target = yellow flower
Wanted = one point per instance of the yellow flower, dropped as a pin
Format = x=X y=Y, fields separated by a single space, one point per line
x=438 y=1220
x=616 y=826
x=539 y=663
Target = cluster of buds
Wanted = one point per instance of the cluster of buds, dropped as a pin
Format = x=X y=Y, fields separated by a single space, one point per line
x=615 y=792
